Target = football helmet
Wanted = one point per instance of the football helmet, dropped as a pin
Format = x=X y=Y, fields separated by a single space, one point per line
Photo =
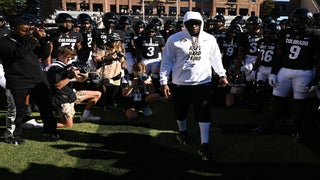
x=109 y=17
x=157 y=22
x=268 y=20
x=32 y=19
x=284 y=22
x=139 y=24
x=125 y=20
x=254 y=22
x=84 y=18
x=63 y=17
x=115 y=37
x=209 y=24
x=151 y=28
x=238 y=20
x=169 y=24
x=300 y=18
x=271 y=30
x=234 y=28
x=219 y=18
x=179 y=25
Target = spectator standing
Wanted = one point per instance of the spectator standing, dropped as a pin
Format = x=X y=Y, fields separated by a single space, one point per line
x=111 y=60
x=25 y=76
x=190 y=56
x=11 y=110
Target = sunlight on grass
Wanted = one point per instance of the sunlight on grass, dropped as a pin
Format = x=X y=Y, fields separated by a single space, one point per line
x=134 y=129
x=205 y=174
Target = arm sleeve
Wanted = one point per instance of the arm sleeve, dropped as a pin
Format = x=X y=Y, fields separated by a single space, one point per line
x=216 y=60
x=166 y=63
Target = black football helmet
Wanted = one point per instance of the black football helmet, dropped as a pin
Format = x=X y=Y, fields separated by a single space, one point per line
x=63 y=17
x=234 y=28
x=32 y=19
x=84 y=18
x=271 y=30
x=238 y=20
x=115 y=37
x=169 y=23
x=125 y=20
x=179 y=25
x=108 y=18
x=139 y=24
x=157 y=22
x=301 y=18
x=284 y=23
x=151 y=28
x=254 y=23
x=209 y=24
x=219 y=18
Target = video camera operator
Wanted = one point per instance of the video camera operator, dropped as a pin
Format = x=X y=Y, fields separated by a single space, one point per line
x=24 y=76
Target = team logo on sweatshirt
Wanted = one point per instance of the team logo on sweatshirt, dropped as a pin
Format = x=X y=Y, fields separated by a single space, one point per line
x=194 y=54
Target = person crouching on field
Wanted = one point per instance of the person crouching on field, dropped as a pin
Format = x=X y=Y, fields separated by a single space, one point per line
x=64 y=97
x=138 y=91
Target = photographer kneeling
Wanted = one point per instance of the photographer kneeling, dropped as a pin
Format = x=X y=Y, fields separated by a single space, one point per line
x=63 y=95
x=138 y=91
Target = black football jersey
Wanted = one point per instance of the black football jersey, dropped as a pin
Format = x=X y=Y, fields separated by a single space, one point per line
x=100 y=36
x=229 y=49
x=150 y=46
x=268 y=52
x=250 y=43
x=127 y=40
x=219 y=35
x=298 y=50
x=62 y=39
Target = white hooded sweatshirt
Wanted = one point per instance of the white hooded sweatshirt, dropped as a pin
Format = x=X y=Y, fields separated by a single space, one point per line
x=190 y=61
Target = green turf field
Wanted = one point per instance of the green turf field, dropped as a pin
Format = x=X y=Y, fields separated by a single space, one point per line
x=147 y=149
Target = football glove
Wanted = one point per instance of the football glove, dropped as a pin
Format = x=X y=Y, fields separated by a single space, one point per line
x=246 y=68
x=272 y=79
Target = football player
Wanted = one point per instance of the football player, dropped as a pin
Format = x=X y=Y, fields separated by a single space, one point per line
x=297 y=69
x=149 y=48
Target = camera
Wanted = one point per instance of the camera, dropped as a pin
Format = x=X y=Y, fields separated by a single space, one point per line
x=142 y=76
x=96 y=78
x=119 y=54
x=81 y=66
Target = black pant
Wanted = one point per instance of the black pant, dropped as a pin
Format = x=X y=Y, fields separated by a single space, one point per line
x=198 y=95
x=40 y=94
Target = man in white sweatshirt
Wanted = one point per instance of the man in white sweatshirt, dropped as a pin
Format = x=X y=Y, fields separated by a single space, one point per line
x=188 y=59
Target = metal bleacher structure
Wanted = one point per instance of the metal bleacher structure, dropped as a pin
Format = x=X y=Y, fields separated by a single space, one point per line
x=97 y=16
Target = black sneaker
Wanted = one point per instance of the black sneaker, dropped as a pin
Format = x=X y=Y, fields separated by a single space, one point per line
x=205 y=152
x=257 y=130
x=296 y=136
x=183 y=138
x=14 y=140
x=52 y=136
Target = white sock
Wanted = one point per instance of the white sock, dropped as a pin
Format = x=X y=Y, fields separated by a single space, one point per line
x=86 y=113
x=182 y=125
x=204 y=131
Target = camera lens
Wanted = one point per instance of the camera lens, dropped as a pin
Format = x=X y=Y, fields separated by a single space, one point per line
x=142 y=76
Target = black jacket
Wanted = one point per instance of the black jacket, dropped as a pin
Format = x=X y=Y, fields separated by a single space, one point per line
x=20 y=63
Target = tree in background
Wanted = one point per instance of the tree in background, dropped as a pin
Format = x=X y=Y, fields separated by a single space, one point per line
x=269 y=8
